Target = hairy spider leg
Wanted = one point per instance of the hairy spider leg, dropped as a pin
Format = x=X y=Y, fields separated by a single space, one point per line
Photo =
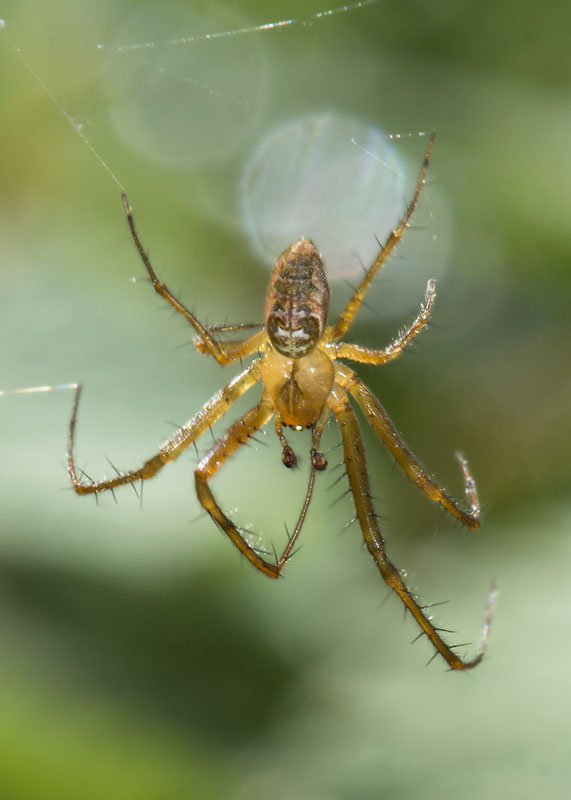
x=348 y=315
x=236 y=436
x=366 y=355
x=413 y=469
x=223 y=352
x=356 y=466
x=173 y=447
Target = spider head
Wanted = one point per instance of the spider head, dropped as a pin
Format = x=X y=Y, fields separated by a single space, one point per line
x=297 y=301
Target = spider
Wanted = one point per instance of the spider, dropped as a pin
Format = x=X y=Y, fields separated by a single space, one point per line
x=296 y=357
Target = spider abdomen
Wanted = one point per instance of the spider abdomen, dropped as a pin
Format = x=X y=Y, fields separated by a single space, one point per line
x=297 y=301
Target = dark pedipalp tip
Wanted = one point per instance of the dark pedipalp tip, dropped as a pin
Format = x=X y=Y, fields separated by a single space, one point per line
x=289 y=458
x=318 y=460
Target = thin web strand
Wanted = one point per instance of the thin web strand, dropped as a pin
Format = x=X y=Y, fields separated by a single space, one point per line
x=266 y=26
x=124 y=49
x=37 y=389
x=78 y=128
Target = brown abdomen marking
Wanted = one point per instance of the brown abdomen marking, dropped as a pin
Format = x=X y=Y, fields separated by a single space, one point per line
x=297 y=301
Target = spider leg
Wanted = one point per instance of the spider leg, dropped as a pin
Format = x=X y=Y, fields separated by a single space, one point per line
x=237 y=435
x=173 y=447
x=348 y=315
x=366 y=355
x=233 y=350
x=223 y=352
x=413 y=469
x=356 y=465
x=280 y=563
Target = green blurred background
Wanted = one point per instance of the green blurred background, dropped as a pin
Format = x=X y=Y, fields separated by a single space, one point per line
x=139 y=657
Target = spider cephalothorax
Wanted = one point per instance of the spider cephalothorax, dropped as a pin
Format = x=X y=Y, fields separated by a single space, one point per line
x=296 y=358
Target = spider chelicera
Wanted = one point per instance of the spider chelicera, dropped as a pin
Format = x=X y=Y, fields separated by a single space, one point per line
x=297 y=360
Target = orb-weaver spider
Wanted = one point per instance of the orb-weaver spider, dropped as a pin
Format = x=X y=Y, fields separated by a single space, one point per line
x=297 y=363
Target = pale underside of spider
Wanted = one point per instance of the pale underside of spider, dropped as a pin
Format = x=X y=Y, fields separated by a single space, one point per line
x=296 y=357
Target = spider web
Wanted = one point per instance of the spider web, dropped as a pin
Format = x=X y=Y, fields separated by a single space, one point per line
x=247 y=111
x=165 y=69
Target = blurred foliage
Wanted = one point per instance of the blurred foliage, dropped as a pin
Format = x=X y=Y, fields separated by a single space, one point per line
x=140 y=658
